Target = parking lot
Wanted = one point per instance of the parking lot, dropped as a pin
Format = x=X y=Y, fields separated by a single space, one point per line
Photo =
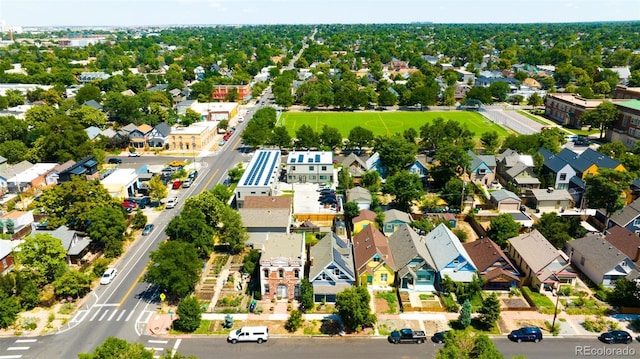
x=306 y=196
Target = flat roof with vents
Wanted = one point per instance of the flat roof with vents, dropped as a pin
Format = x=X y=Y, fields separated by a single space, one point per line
x=310 y=157
x=262 y=169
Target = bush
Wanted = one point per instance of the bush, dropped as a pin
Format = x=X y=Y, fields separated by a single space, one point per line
x=555 y=330
x=450 y=304
x=294 y=322
x=100 y=265
x=599 y=325
x=29 y=323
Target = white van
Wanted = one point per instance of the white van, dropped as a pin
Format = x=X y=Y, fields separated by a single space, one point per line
x=249 y=334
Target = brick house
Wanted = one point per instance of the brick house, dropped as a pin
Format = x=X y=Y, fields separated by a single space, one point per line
x=282 y=266
x=220 y=92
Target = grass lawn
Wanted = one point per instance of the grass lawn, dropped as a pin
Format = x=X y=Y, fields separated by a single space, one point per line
x=385 y=123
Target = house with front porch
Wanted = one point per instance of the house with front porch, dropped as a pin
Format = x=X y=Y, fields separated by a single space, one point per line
x=373 y=260
x=449 y=256
x=282 y=266
x=482 y=168
x=416 y=270
x=86 y=167
x=493 y=264
x=355 y=165
x=159 y=136
x=331 y=268
x=75 y=245
x=139 y=137
x=543 y=266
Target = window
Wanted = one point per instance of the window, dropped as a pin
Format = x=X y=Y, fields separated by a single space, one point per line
x=324 y=168
x=482 y=171
x=311 y=168
x=383 y=277
x=266 y=289
x=582 y=261
x=296 y=273
x=636 y=222
x=293 y=168
x=336 y=271
x=266 y=273
x=280 y=273
x=563 y=177
x=323 y=177
x=376 y=259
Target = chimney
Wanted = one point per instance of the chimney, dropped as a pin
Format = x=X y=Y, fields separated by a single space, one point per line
x=549 y=189
x=637 y=255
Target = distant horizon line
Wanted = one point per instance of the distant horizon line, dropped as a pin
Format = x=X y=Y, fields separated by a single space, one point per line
x=316 y=24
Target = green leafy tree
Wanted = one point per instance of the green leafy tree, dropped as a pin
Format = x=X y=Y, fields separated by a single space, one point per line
x=464 y=344
x=43 y=255
x=602 y=117
x=491 y=141
x=190 y=117
x=222 y=192
x=605 y=191
x=280 y=137
x=72 y=284
x=294 y=322
x=396 y=153
x=625 y=293
x=490 y=311
x=502 y=228
x=306 y=293
x=21 y=284
x=360 y=137
x=88 y=92
x=330 y=137
x=352 y=305
x=12 y=128
x=558 y=230
x=190 y=314
x=405 y=188
x=535 y=100
x=39 y=115
x=14 y=150
x=63 y=139
x=106 y=229
x=175 y=266
x=191 y=227
x=351 y=211
x=371 y=181
x=454 y=191
x=114 y=347
x=157 y=189
x=499 y=90
x=465 y=314
x=250 y=261
x=10 y=225
x=139 y=219
x=89 y=116
x=306 y=137
x=9 y=309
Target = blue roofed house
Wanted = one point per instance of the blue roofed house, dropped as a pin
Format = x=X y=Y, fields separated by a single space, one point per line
x=93 y=132
x=373 y=164
x=628 y=217
x=419 y=166
x=561 y=171
x=483 y=168
x=393 y=219
x=331 y=267
x=416 y=269
x=449 y=256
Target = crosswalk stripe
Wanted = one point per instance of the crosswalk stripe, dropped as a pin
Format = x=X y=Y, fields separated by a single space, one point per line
x=12 y=356
x=80 y=315
x=18 y=348
x=129 y=316
x=103 y=315
x=94 y=316
x=158 y=341
x=26 y=340
x=120 y=316
x=112 y=315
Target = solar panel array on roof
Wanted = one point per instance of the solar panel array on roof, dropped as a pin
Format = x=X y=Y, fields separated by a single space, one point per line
x=261 y=168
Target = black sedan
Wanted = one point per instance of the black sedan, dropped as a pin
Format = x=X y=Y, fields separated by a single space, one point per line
x=439 y=337
x=526 y=334
x=616 y=336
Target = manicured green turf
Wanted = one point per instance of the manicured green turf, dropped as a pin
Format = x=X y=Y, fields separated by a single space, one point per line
x=385 y=123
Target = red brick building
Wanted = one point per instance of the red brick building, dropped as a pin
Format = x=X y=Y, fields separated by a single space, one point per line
x=220 y=92
x=282 y=266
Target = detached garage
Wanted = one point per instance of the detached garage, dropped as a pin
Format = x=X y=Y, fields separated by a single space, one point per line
x=505 y=201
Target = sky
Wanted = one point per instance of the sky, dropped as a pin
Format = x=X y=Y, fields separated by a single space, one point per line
x=209 y=12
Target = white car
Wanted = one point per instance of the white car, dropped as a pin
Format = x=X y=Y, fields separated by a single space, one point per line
x=134 y=154
x=241 y=119
x=108 y=276
x=171 y=202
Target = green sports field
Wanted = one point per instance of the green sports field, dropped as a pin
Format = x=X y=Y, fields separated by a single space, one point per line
x=385 y=123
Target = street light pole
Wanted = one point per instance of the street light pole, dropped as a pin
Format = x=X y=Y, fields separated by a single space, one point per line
x=555 y=312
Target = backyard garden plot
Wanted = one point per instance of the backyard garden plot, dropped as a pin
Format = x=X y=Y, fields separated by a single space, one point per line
x=385 y=123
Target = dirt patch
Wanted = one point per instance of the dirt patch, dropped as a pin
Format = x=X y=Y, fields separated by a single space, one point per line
x=275 y=326
x=382 y=306
x=514 y=303
x=434 y=326
x=388 y=325
x=47 y=320
x=540 y=323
